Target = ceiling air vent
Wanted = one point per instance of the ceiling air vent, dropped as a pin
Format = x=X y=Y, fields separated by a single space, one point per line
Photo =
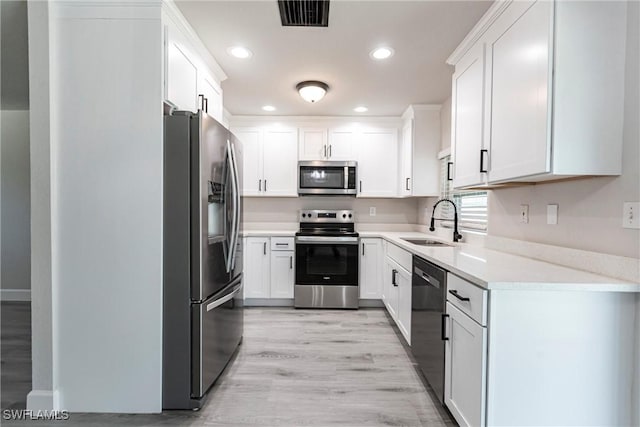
x=304 y=13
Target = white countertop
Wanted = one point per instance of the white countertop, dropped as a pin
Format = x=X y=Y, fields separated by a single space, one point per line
x=489 y=268
x=492 y=269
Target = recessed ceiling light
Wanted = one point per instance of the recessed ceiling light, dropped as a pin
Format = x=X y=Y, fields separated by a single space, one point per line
x=239 y=52
x=269 y=108
x=361 y=109
x=381 y=53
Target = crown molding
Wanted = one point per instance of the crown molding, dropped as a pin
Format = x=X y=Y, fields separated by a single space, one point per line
x=478 y=30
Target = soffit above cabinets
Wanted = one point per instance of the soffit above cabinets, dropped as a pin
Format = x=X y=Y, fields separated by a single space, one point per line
x=421 y=33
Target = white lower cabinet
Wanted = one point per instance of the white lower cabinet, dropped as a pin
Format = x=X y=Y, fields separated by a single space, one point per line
x=257 y=265
x=396 y=286
x=282 y=274
x=465 y=372
x=370 y=286
x=269 y=267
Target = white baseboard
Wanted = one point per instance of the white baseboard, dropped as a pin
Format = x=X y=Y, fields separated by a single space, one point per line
x=15 y=295
x=43 y=400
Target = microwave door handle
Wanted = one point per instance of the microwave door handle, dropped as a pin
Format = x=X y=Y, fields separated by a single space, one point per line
x=346 y=177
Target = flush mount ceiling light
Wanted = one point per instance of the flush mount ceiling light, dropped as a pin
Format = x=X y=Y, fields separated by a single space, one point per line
x=311 y=90
x=361 y=109
x=381 y=53
x=239 y=52
x=269 y=108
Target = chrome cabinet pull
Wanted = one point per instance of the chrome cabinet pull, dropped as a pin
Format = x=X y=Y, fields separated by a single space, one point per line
x=361 y=186
x=329 y=151
x=363 y=249
x=457 y=295
x=264 y=248
x=290 y=263
x=259 y=185
x=325 y=151
x=265 y=185
x=393 y=277
x=407 y=184
x=449 y=175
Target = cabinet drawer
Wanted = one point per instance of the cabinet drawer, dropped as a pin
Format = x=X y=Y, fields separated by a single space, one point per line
x=469 y=298
x=400 y=256
x=282 y=244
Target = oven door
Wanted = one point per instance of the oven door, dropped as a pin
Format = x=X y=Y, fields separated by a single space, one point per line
x=326 y=260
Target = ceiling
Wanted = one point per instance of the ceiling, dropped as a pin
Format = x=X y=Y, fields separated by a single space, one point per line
x=422 y=33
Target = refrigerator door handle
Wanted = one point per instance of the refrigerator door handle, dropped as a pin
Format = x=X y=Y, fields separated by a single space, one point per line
x=232 y=243
x=236 y=207
x=228 y=297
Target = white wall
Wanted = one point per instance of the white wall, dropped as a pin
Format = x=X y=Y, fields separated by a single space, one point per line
x=590 y=210
x=280 y=209
x=15 y=266
x=97 y=303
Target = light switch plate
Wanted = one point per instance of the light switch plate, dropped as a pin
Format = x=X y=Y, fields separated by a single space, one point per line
x=631 y=215
x=524 y=214
x=372 y=211
x=552 y=214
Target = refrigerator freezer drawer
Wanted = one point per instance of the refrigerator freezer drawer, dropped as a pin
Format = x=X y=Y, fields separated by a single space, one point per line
x=216 y=332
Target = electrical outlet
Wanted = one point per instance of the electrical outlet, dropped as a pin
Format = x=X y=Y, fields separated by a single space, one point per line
x=524 y=214
x=631 y=215
x=552 y=214
x=372 y=211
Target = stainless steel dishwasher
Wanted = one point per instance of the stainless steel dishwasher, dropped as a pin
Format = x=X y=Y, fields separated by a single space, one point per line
x=428 y=299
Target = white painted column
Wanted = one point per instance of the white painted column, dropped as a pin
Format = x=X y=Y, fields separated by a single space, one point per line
x=42 y=395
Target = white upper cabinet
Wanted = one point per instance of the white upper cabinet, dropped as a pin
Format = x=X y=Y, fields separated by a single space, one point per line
x=270 y=161
x=327 y=144
x=341 y=144
x=181 y=72
x=552 y=96
x=252 y=164
x=213 y=96
x=280 y=154
x=313 y=144
x=377 y=156
x=419 y=166
x=520 y=88
x=467 y=109
x=189 y=70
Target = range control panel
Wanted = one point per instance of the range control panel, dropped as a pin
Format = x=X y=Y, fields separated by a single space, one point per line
x=326 y=216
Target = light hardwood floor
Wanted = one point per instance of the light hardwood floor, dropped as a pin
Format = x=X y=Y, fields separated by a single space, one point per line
x=305 y=368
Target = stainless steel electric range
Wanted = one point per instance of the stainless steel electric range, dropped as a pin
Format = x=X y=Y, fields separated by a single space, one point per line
x=326 y=260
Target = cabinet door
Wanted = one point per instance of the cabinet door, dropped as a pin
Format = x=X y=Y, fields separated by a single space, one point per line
x=465 y=368
x=182 y=72
x=378 y=163
x=280 y=156
x=282 y=274
x=213 y=93
x=520 y=91
x=403 y=279
x=257 y=268
x=341 y=144
x=252 y=165
x=406 y=155
x=391 y=287
x=313 y=144
x=370 y=269
x=467 y=116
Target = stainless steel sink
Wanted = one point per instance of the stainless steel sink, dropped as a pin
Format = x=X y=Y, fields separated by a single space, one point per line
x=426 y=242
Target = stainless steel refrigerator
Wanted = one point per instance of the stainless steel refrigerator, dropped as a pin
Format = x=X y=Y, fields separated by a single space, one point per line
x=202 y=260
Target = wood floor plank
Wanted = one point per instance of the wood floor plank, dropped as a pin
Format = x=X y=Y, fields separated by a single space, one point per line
x=296 y=368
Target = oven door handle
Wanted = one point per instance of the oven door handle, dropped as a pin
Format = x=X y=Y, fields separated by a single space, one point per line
x=313 y=240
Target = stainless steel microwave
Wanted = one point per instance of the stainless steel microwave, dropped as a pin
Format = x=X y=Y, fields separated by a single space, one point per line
x=320 y=177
